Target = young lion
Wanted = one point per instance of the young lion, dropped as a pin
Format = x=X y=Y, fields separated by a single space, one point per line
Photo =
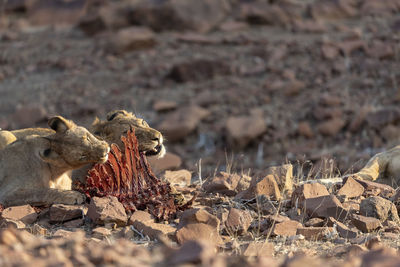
x=35 y=169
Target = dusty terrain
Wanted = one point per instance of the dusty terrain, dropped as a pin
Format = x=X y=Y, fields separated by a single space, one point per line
x=241 y=85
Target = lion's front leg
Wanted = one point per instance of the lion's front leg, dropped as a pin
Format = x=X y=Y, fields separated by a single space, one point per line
x=45 y=196
x=375 y=167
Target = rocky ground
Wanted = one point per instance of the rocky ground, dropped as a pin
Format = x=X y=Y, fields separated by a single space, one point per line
x=235 y=86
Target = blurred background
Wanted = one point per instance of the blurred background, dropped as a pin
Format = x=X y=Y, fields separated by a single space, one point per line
x=239 y=84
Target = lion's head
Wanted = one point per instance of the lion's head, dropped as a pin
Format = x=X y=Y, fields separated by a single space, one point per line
x=72 y=145
x=119 y=122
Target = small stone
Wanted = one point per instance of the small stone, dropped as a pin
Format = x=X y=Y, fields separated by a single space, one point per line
x=144 y=223
x=286 y=228
x=8 y=223
x=244 y=129
x=323 y=206
x=193 y=251
x=266 y=186
x=24 y=213
x=107 y=210
x=331 y=127
x=304 y=129
x=170 y=161
x=182 y=122
x=256 y=249
x=163 y=105
x=306 y=191
x=62 y=213
x=133 y=38
x=379 y=208
x=238 y=221
x=178 y=178
x=315 y=222
x=283 y=175
x=74 y=223
x=101 y=232
x=343 y=230
x=314 y=233
x=223 y=183
x=365 y=224
x=351 y=189
x=39 y=230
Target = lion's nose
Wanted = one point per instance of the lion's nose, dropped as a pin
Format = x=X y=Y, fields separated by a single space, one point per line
x=159 y=139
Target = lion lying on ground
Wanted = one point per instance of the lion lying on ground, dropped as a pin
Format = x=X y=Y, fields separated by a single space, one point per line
x=384 y=168
x=35 y=169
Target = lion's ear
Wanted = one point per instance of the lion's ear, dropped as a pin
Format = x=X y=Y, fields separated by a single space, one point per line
x=59 y=124
x=111 y=115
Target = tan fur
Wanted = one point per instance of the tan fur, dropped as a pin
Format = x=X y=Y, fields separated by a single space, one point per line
x=35 y=169
x=383 y=167
x=119 y=122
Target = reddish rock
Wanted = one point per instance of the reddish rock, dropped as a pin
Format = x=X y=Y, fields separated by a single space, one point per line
x=283 y=176
x=331 y=127
x=314 y=233
x=349 y=46
x=25 y=214
x=107 y=210
x=286 y=228
x=351 y=189
x=379 y=208
x=329 y=51
x=28 y=115
x=358 y=119
x=144 y=223
x=315 y=222
x=306 y=191
x=380 y=118
x=198 y=70
x=256 y=249
x=380 y=257
x=238 y=221
x=132 y=38
x=343 y=230
x=263 y=13
x=223 y=183
x=101 y=232
x=332 y=10
x=266 y=186
x=74 y=223
x=244 y=129
x=170 y=161
x=164 y=105
x=304 y=129
x=323 y=206
x=180 y=178
x=195 y=252
x=182 y=122
x=62 y=213
x=365 y=224
x=197 y=224
x=233 y=26
x=181 y=15
x=383 y=189
x=380 y=50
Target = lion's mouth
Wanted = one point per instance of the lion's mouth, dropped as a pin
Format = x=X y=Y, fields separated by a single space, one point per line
x=157 y=150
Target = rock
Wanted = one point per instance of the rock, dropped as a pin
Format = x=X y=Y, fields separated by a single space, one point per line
x=314 y=233
x=74 y=223
x=286 y=228
x=132 y=38
x=62 y=213
x=144 y=223
x=263 y=13
x=383 y=189
x=8 y=223
x=266 y=186
x=164 y=105
x=244 y=129
x=198 y=70
x=324 y=206
x=351 y=189
x=257 y=249
x=233 y=26
x=238 y=221
x=182 y=122
x=380 y=118
x=28 y=115
x=178 y=178
x=379 y=208
x=304 y=129
x=107 y=210
x=181 y=15
x=169 y=162
x=331 y=127
x=349 y=46
x=365 y=224
x=39 y=230
x=332 y=10
x=306 y=191
x=283 y=176
x=195 y=252
x=380 y=8
x=329 y=51
x=380 y=50
x=223 y=183
x=342 y=229
x=101 y=232
x=25 y=214
x=197 y=224
x=358 y=119
x=315 y=222
x=58 y=12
